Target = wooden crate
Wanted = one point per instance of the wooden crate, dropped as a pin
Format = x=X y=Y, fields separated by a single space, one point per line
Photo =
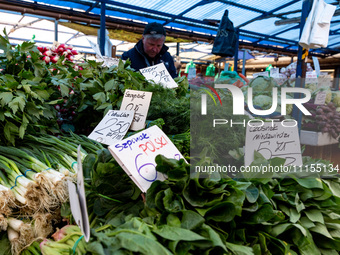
x=327 y=152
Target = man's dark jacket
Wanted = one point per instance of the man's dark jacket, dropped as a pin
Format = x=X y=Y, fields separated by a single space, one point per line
x=139 y=60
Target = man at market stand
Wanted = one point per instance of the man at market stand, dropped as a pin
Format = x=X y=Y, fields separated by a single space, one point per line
x=150 y=50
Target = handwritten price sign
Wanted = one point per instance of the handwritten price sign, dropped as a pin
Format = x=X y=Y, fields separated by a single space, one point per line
x=112 y=127
x=320 y=98
x=137 y=101
x=273 y=140
x=136 y=155
x=159 y=74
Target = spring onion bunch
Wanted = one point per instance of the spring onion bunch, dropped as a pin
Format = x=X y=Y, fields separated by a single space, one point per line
x=65 y=240
x=47 y=178
x=26 y=191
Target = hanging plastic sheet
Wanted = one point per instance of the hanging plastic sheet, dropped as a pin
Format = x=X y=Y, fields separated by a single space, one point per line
x=315 y=33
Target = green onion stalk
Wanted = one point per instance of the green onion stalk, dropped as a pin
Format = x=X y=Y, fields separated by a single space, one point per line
x=88 y=144
x=58 y=144
x=65 y=163
x=48 y=178
x=54 y=158
x=16 y=244
x=48 y=201
x=20 y=234
x=33 y=249
x=26 y=191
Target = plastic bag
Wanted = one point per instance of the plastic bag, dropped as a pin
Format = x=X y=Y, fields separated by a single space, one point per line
x=226 y=38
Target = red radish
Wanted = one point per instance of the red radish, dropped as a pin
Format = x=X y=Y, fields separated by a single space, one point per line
x=47 y=59
x=48 y=53
x=54 y=59
x=74 y=52
x=40 y=48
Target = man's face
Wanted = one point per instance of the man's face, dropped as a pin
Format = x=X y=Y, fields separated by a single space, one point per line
x=152 y=46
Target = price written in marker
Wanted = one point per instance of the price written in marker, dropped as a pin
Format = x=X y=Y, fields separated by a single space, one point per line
x=273 y=140
x=112 y=127
x=137 y=101
x=159 y=74
x=136 y=155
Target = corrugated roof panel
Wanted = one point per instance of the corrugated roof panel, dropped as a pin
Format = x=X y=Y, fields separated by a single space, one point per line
x=291 y=34
x=292 y=7
x=216 y=11
x=266 y=26
x=213 y=10
x=60 y=3
x=174 y=6
x=333 y=39
x=263 y=5
x=240 y=12
x=140 y=3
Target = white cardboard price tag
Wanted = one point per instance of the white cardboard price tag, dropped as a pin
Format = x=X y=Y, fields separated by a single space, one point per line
x=273 y=140
x=320 y=98
x=112 y=127
x=107 y=61
x=265 y=74
x=78 y=200
x=159 y=74
x=136 y=155
x=137 y=101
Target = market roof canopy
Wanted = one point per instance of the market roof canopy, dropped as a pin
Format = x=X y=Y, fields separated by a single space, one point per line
x=271 y=25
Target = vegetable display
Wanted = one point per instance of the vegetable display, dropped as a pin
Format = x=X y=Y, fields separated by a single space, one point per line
x=49 y=105
x=324 y=119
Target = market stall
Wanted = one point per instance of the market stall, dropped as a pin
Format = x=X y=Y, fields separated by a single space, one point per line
x=96 y=158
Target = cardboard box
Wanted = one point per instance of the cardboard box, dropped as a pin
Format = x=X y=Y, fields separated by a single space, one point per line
x=316 y=138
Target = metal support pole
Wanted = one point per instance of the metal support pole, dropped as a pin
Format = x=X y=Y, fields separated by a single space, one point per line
x=301 y=62
x=236 y=50
x=177 y=49
x=56 y=30
x=102 y=27
x=336 y=78
x=244 y=62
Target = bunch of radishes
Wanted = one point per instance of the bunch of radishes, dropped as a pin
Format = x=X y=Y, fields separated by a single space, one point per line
x=56 y=51
x=324 y=119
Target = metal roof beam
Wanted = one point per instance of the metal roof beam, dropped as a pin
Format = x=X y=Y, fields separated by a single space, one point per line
x=36 y=28
x=94 y=5
x=267 y=14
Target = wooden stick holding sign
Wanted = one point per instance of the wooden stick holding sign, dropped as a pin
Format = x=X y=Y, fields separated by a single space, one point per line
x=137 y=101
x=159 y=74
x=78 y=200
x=136 y=155
x=112 y=127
